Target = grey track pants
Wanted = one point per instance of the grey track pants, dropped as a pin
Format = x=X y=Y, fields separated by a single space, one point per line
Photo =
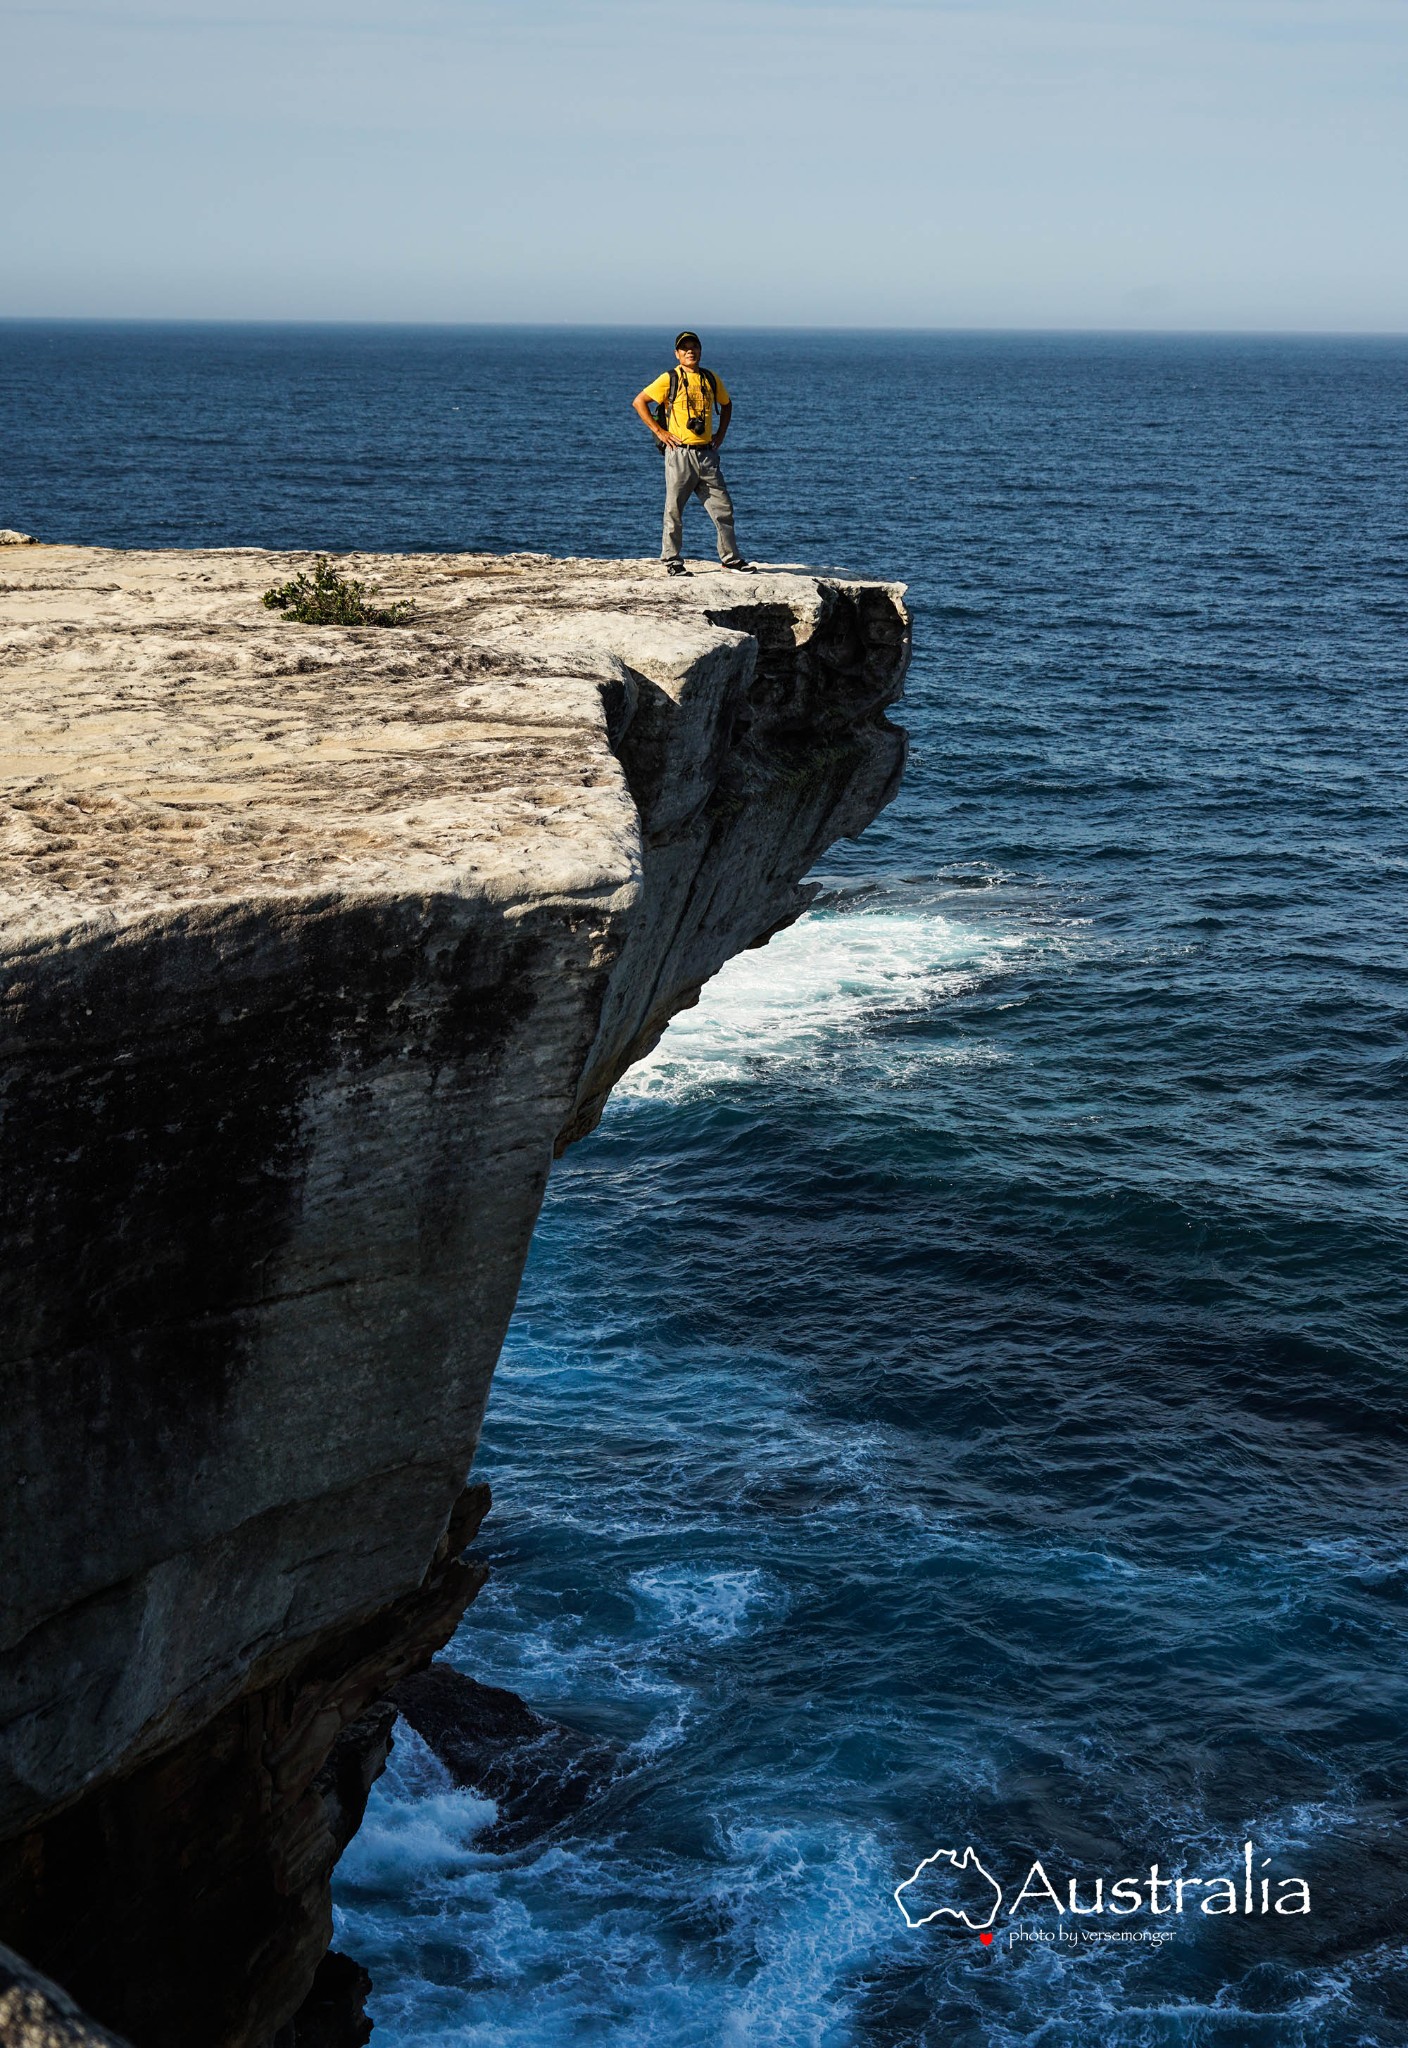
x=695 y=473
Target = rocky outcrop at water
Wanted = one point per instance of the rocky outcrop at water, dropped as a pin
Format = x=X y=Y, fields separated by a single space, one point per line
x=537 y=1772
x=317 y=942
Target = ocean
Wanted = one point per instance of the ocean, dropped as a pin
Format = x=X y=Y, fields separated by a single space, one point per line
x=957 y=1397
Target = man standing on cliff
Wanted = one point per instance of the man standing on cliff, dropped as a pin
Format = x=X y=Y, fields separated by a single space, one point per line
x=687 y=398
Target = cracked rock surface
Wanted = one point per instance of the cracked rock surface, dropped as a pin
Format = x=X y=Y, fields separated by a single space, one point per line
x=315 y=943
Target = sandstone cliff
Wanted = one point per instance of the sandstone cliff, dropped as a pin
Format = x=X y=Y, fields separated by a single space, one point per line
x=316 y=942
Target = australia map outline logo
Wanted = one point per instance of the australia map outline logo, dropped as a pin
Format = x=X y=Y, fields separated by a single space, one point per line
x=967 y=1861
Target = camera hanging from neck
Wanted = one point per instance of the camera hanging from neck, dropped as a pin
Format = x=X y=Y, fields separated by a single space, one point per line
x=699 y=421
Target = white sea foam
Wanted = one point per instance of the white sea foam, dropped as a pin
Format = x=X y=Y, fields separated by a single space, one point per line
x=422 y=1827
x=818 y=991
x=712 y=1605
x=574 y=1941
x=814 y=1910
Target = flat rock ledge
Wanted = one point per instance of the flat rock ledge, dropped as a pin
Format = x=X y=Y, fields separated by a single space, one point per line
x=317 y=942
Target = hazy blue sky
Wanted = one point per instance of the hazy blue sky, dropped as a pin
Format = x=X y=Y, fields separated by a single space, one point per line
x=1114 y=163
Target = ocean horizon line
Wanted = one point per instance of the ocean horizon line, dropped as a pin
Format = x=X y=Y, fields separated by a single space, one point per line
x=291 y=323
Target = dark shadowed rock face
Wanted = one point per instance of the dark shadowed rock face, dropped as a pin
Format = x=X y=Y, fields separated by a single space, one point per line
x=171 y=1890
x=334 y=2014
x=314 y=944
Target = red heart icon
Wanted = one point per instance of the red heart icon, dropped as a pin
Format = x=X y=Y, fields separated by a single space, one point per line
x=986 y=1940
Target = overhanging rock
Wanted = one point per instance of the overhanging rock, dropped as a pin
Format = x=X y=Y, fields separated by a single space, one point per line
x=317 y=941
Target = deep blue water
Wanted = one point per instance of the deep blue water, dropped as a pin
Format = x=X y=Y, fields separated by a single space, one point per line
x=958 y=1395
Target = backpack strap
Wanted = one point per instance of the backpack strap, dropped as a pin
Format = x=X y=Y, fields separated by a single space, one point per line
x=666 y=405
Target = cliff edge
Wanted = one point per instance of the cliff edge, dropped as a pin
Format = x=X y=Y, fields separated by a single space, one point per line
x=317 y=942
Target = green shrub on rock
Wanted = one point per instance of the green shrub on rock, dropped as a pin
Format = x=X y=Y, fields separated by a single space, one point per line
x=327 y=599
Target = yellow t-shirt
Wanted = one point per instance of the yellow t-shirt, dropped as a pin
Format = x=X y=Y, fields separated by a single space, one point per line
x=691 y=396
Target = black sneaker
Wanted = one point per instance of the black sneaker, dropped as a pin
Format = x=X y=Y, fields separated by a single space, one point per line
x=676 y=569
x=746 y=567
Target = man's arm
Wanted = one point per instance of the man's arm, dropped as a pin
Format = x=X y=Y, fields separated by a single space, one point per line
x=641 y=404
x=725 y=415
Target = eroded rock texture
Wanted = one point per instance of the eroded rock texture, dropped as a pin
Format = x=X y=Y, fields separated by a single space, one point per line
x=35 y=2013
x=317 y=941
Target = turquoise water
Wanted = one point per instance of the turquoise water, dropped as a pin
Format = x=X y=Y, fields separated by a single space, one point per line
x=958 y=1394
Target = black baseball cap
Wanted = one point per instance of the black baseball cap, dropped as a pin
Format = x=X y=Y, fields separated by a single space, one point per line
x=686 y=334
